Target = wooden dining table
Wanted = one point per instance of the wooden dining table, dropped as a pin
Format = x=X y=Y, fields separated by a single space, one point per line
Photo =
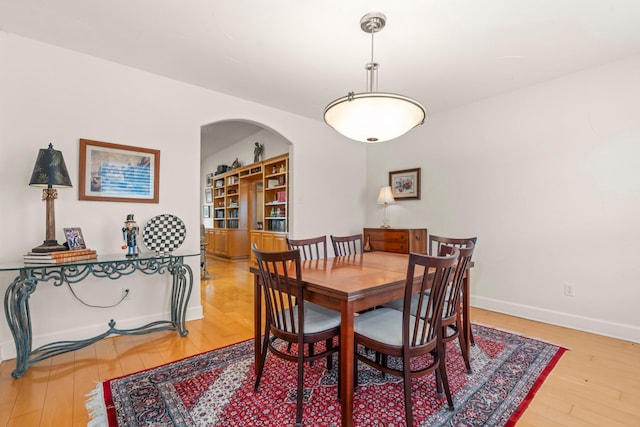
x=348 y=284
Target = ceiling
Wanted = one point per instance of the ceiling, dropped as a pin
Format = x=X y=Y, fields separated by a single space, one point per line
x=299 y=55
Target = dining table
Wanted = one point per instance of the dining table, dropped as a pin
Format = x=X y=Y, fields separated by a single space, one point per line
x=350 y=284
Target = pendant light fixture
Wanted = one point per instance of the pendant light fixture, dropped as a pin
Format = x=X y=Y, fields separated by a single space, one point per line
x=373 y=116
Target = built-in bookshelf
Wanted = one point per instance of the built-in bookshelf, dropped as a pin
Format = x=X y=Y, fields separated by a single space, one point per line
x=232 y=200
x=276 y=172
x=251 y=199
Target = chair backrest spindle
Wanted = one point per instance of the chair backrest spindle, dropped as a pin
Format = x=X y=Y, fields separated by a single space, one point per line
x=347 y=245
x=312 y=248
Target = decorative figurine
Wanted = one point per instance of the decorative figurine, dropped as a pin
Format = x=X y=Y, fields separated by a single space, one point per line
x=257 y=152
x=235 y=164
x=130 y=236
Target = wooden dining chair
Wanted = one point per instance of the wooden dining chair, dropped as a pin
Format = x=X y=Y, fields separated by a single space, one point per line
x=435 y=243
x=347 y=245
x=312 y=248
x=390 y=332
x=452 y=326
x=303 y=324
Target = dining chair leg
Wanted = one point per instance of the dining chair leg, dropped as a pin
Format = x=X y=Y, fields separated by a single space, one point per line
x=442 y=368
x=439 y=391
x=263 y=358
x=408 y=407
x=300 y=392
x=311 y=352
x=440 y=352
x=383 y=361
x=464 y=349
x=329 y=344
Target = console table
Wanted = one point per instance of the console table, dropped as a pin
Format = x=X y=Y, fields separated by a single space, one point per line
x=16 y=299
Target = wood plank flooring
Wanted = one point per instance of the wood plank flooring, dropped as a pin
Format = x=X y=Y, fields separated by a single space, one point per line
x=596 y=383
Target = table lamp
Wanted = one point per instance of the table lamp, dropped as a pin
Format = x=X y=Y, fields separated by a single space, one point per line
x=50 y=172
x=385 y=197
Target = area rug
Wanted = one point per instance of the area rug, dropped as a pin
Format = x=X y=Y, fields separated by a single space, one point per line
x=216 y=389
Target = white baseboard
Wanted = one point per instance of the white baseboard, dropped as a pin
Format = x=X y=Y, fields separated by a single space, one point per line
x=8 y=348
x=586 y=324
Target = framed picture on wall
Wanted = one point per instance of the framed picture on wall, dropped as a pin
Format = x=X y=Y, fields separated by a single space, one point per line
x=208 y=195
x=206 y=211
x=209 y=182
x=405 y=184
x=118 y=173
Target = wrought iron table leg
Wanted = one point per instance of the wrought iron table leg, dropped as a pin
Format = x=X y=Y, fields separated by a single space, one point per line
x=16 y=309
x=180 y=295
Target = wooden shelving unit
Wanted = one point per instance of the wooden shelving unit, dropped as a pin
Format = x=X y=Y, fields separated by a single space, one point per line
x=276 y=194
x=250 y=205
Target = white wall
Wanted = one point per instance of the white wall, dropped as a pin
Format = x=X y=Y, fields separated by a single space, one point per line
x=548 y=179
x=54 y=95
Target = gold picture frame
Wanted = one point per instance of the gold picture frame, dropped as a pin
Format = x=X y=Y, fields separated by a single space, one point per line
x=405 y=184
x=118 y=173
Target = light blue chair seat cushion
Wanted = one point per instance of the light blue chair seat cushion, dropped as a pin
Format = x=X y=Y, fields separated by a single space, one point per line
x=398 y=304
x=383 y=325
x=316 y=318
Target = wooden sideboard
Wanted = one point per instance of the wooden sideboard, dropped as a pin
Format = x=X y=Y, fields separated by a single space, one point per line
x=398 y=240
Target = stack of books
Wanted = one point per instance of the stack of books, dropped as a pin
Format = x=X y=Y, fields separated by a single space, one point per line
x=60 y=256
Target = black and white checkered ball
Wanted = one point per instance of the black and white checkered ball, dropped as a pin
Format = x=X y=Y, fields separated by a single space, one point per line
x=164 y=233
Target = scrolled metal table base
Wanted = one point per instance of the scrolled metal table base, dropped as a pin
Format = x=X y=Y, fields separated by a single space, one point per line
x=16 y=302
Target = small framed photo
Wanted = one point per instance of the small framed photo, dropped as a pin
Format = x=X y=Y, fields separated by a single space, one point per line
x=206 y=211
x=405 y=184
x=209 y=182
x=208 y=195
x=74 y=237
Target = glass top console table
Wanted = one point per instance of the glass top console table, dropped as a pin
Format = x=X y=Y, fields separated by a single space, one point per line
x=16 y=299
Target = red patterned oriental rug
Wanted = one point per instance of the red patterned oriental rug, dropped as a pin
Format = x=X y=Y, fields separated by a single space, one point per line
x=216 y=389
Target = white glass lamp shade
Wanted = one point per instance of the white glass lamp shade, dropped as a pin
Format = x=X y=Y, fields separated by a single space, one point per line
x=374 y=116
x=385 y=196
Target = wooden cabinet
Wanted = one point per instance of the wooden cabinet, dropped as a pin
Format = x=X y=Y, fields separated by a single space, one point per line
x=269 y=242
x=398 y=240
x=228 y=243
x=220 y=246
x=209 y=239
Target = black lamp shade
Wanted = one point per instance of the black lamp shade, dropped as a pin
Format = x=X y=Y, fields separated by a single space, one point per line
x=50 y=169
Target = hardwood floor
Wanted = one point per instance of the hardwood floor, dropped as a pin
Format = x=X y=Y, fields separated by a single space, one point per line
x=596 y=383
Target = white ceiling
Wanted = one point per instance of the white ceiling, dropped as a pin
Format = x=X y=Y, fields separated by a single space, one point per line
x=298 y=55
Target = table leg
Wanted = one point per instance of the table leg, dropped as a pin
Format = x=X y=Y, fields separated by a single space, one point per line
x=180 y=294
x=257 y=321
x=346 y=363
x=16 y=309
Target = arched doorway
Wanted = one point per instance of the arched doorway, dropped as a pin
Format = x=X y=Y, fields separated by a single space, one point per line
x=232 y=142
